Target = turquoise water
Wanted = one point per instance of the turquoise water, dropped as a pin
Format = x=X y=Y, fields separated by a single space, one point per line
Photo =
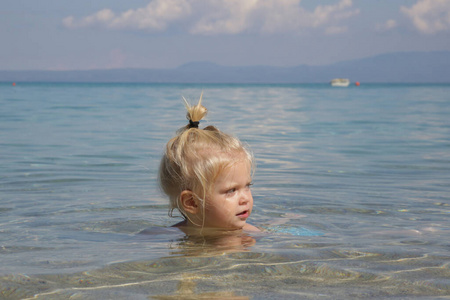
x=352 y=184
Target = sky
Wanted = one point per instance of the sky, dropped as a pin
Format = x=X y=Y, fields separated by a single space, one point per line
x=107 y=34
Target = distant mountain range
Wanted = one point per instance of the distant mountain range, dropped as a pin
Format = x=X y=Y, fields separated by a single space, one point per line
x=411 y=67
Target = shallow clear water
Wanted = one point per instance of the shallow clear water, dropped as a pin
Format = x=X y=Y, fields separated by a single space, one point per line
x=353 y=184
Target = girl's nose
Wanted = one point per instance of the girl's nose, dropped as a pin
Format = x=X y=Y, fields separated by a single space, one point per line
x=245 y=197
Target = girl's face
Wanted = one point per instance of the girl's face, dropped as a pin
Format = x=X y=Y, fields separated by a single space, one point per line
x=230 y=201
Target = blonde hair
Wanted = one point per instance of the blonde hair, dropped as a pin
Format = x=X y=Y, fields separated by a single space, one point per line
x=195 y=157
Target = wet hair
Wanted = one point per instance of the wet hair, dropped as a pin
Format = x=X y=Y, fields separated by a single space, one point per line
x=195 y=157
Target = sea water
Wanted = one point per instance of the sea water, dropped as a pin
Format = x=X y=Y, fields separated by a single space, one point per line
x=352 y=186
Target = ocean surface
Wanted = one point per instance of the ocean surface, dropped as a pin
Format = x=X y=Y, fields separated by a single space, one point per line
x=352 y=187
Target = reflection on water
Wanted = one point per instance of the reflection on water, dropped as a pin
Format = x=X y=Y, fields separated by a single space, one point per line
x=351 y=186
x=239 y=265
x=213 y=244
x=195 y=242
x=186 y=289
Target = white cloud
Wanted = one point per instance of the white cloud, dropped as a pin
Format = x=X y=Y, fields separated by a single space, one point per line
x=386 y=26
x=333 y=13
x=224 y=16
x=429 y=16
x=155 y=16
x=271 y=16
x=102 y=16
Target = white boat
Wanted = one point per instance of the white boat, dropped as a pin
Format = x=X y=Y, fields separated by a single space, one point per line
x=340 y=82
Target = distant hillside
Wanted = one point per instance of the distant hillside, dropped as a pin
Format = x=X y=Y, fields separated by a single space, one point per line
x=413 y=67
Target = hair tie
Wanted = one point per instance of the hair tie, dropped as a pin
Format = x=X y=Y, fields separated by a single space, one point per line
x=193 y=124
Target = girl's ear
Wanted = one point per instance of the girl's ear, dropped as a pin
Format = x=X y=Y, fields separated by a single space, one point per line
x=189 y=202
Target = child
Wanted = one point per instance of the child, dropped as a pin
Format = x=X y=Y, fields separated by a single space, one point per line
x=207 y=175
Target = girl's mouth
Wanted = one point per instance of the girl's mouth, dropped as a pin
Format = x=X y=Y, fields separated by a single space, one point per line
x=243 y=215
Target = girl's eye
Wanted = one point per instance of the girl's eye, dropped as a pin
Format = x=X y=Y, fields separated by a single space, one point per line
x=231 y=191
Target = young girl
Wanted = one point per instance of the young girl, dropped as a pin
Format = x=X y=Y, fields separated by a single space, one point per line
x=207 y=175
